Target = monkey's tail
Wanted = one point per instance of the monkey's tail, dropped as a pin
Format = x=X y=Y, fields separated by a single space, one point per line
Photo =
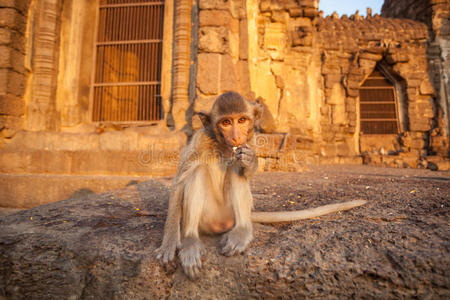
x=288 y=216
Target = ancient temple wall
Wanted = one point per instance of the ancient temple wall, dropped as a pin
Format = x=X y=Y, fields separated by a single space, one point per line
x=436 y=14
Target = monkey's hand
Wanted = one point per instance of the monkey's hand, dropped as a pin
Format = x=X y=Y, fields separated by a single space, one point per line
x=246 y=157
x=190 y=256
x=166 y=253
x=236 y=240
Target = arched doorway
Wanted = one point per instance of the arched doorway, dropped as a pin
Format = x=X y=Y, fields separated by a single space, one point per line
x=381 y=111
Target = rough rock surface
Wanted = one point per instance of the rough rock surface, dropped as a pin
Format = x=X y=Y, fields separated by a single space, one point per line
x=100 y=246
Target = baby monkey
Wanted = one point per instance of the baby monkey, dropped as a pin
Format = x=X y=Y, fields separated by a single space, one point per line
x=211 y=192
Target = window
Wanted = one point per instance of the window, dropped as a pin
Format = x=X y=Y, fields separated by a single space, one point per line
x=378 y=105
x=128 y=61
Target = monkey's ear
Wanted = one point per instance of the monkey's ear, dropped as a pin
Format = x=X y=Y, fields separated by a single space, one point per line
x=204 y=117
x=257 y=110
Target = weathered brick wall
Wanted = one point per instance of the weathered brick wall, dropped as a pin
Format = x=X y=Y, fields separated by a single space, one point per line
x=436 y=14
x=13 y=22
x=419 y=10
x=351 y=49
x=307 y=71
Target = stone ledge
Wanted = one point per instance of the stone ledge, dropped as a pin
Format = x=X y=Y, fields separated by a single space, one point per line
x=30 y=190
x=100 y=246
x=124 y=163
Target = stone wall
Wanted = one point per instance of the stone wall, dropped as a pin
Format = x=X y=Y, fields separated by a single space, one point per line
x=222 y=51
x=436 y=14
x=307 y=71
x=13 y=74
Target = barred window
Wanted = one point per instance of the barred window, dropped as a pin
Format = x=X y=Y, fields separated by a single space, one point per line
x=378 y=105
x=127 y=76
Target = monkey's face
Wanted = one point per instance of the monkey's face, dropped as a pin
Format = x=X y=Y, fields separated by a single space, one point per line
x=235 y=129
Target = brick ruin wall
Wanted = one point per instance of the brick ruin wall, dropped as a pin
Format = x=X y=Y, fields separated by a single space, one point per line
x=436 y=14
x=307 y=70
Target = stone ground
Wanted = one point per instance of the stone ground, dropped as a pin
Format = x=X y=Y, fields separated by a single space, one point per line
x=99 y=246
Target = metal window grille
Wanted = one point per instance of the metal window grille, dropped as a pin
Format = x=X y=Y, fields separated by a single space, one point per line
x=378 y=105
x=128 y=61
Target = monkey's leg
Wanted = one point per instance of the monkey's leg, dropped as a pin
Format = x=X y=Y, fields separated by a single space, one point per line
x=237 y=192
x=196 y=192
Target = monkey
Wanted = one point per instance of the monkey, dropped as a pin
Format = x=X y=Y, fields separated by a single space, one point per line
x=211 y=194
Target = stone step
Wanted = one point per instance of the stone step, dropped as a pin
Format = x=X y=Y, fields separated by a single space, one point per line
x=29 y=190
x=124 y=163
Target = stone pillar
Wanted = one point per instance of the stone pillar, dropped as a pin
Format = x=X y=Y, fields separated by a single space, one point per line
x=44 y=36
x=75 y=15
x=180 y=99
x=12 y=69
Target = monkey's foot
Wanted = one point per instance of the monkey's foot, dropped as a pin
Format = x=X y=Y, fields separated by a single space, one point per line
x=190 y=256
x=236 y=240
x=166 y=253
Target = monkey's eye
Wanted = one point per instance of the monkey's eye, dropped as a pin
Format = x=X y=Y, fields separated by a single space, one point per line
x=226 y=122
x=242 y=120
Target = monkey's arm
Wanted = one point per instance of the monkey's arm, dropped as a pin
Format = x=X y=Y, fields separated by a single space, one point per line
x=171 y=239
x=288 y=216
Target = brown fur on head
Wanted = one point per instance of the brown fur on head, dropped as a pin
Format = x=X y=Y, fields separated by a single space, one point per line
x=230 y=103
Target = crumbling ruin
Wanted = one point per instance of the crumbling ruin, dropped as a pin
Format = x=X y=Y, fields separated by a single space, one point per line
x=319 y=79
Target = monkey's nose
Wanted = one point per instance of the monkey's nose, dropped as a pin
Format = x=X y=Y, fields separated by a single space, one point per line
x=235 y=142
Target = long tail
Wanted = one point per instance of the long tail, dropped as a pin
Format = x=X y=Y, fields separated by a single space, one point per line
x=288 y=216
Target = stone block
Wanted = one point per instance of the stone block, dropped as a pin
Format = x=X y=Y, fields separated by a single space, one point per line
x=14 y=161
x=12 y=39
x=4 y=81
x=310 y=12
x=11 y=18
x=419 y=125
x=331 y=80
x=243 y=39
x=296 y=12
x=228 y=79
x=21 y=5
x=7 y=3
x=11 y=58
x=5 y=57
x=343 y=149
x=12 y=82
x=12 y=125
x=50 y=162
x=11 y=105
x=426 y=88
x=325 y=110
x=213 y=39
x=279 y=16
x=208 y=73
x=397 y=57
x=350 y=108
x=371 y=56
x=203 y=103
x=243 y=77
x=234 y=44
x=215 y=18
x=367 y=64
x=214 y=4
x=351 y=116
x=5 y=36
x=300 y=38
x=329 y=150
